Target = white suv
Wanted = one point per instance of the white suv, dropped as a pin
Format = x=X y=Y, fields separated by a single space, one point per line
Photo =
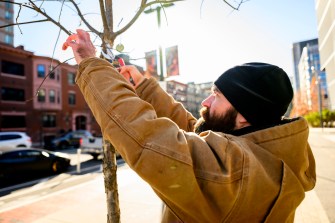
x=11 y=140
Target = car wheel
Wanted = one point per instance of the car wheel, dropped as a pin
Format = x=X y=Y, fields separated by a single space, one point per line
x=56 y=167
x=95 y=156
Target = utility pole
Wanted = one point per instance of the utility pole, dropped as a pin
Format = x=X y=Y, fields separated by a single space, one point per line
x=318 y=82
x=160 y=51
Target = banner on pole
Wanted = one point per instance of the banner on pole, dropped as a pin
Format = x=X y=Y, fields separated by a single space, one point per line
x=151 y=64
x=172 y=61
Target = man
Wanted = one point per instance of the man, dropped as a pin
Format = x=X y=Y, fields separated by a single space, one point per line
x=245 y=164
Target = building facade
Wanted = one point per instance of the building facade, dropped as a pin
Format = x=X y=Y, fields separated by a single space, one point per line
x=39 y=96
x=297 y=49
x=7 y=17
x=313 y=91
x=326 y=30
x=190 y=95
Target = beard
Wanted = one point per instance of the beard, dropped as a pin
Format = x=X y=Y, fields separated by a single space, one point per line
x=219 y=123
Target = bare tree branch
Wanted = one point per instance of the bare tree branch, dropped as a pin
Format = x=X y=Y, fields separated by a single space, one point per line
x=109 y=15
x=235 y=7
x=105 y=24
x=37 y=9
x=143 y=6
x=83 y=19
x=23 y=23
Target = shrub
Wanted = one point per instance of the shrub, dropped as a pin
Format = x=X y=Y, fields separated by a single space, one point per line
x=328 y=118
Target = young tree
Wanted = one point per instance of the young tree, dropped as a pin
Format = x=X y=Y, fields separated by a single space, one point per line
x=107 y=36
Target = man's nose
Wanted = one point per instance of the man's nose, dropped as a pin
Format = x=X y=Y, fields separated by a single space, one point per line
x=207 y=102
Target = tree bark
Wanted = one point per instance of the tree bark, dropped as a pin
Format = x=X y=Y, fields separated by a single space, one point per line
x=110 y=179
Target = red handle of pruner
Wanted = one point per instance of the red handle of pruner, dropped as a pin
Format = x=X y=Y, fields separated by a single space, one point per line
x=121 y=62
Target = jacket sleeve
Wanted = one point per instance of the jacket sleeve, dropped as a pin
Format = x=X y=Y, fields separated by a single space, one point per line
x=165 y=105
x=154 y=147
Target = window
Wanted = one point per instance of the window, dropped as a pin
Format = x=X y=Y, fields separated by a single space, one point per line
x=9 y=137
x=49 y=120
x=13 y=121
x=8 y=39
x=9 y=29
x=52 y=72
x=12 y=94
x=52 y=75
x=70 y=78
x=72 y=98
x=8 y=5
x=52 y=96
x=8 y=15
x=41 y=95
x=12 y=68
x=58 y=98
x=40 y=70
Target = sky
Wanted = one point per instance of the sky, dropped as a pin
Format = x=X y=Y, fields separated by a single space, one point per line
x=211 y=37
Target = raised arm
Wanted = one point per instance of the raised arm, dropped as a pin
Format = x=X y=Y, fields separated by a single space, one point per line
x=164 y=105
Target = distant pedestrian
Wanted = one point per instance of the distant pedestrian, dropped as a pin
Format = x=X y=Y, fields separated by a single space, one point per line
x=245 y=163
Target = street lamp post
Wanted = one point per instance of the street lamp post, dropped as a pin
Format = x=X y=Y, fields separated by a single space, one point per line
x=318 y=83
x=160 y=51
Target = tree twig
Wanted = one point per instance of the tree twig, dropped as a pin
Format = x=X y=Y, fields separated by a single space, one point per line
x=23 y=23
x=83 y=19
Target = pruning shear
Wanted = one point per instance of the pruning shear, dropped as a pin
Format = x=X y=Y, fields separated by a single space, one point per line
x=116 y=61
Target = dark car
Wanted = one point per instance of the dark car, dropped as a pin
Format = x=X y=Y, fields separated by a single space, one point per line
x=24 y=163
x=69 y=139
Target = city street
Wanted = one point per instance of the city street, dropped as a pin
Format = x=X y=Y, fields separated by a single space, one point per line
x=79 y=197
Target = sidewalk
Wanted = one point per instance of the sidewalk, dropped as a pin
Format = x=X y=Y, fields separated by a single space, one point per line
x=86 y=203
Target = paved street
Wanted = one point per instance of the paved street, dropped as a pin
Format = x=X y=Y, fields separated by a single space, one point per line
x=85 y=202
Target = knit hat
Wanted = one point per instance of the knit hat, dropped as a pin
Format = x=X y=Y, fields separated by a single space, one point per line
x=260 y=92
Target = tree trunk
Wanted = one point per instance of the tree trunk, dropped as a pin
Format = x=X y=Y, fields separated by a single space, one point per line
x=111 y=189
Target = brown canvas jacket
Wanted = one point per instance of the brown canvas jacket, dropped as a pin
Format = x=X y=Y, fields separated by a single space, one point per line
x=211 y=177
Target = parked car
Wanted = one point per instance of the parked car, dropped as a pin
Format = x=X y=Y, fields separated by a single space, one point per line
x=22 y=163
x=11 y=140
x=69 y=139
x=94 y=147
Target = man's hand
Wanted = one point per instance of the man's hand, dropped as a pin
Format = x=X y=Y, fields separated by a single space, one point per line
x=81 y=45
x=129 y=72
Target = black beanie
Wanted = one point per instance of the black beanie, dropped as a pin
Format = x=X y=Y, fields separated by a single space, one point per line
x=260 y=92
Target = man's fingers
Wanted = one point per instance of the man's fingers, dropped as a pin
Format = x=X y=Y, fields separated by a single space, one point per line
x=70 y=41
x=83 y=35
x=65 y=46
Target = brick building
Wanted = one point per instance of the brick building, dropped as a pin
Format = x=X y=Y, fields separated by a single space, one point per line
x=42 y=110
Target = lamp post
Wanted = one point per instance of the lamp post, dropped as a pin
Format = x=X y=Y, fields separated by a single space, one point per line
x=160 y=51
x=318 y=83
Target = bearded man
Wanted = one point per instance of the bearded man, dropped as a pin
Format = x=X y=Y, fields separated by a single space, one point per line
x=243 y=163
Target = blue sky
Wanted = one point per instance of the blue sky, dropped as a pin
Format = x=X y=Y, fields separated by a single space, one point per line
x=210 y=36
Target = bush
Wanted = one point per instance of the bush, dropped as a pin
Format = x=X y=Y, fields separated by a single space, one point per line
x=328 y=118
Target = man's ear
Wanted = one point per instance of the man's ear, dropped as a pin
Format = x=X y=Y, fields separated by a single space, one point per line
x=241 y=122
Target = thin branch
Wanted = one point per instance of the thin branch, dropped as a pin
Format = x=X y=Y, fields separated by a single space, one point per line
x=233 y=7
x=46 y=76
x=53 y=52
x=37 y=9
x=23 y=23
x=143 y=6
x=83 y=19
x=16 y=3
